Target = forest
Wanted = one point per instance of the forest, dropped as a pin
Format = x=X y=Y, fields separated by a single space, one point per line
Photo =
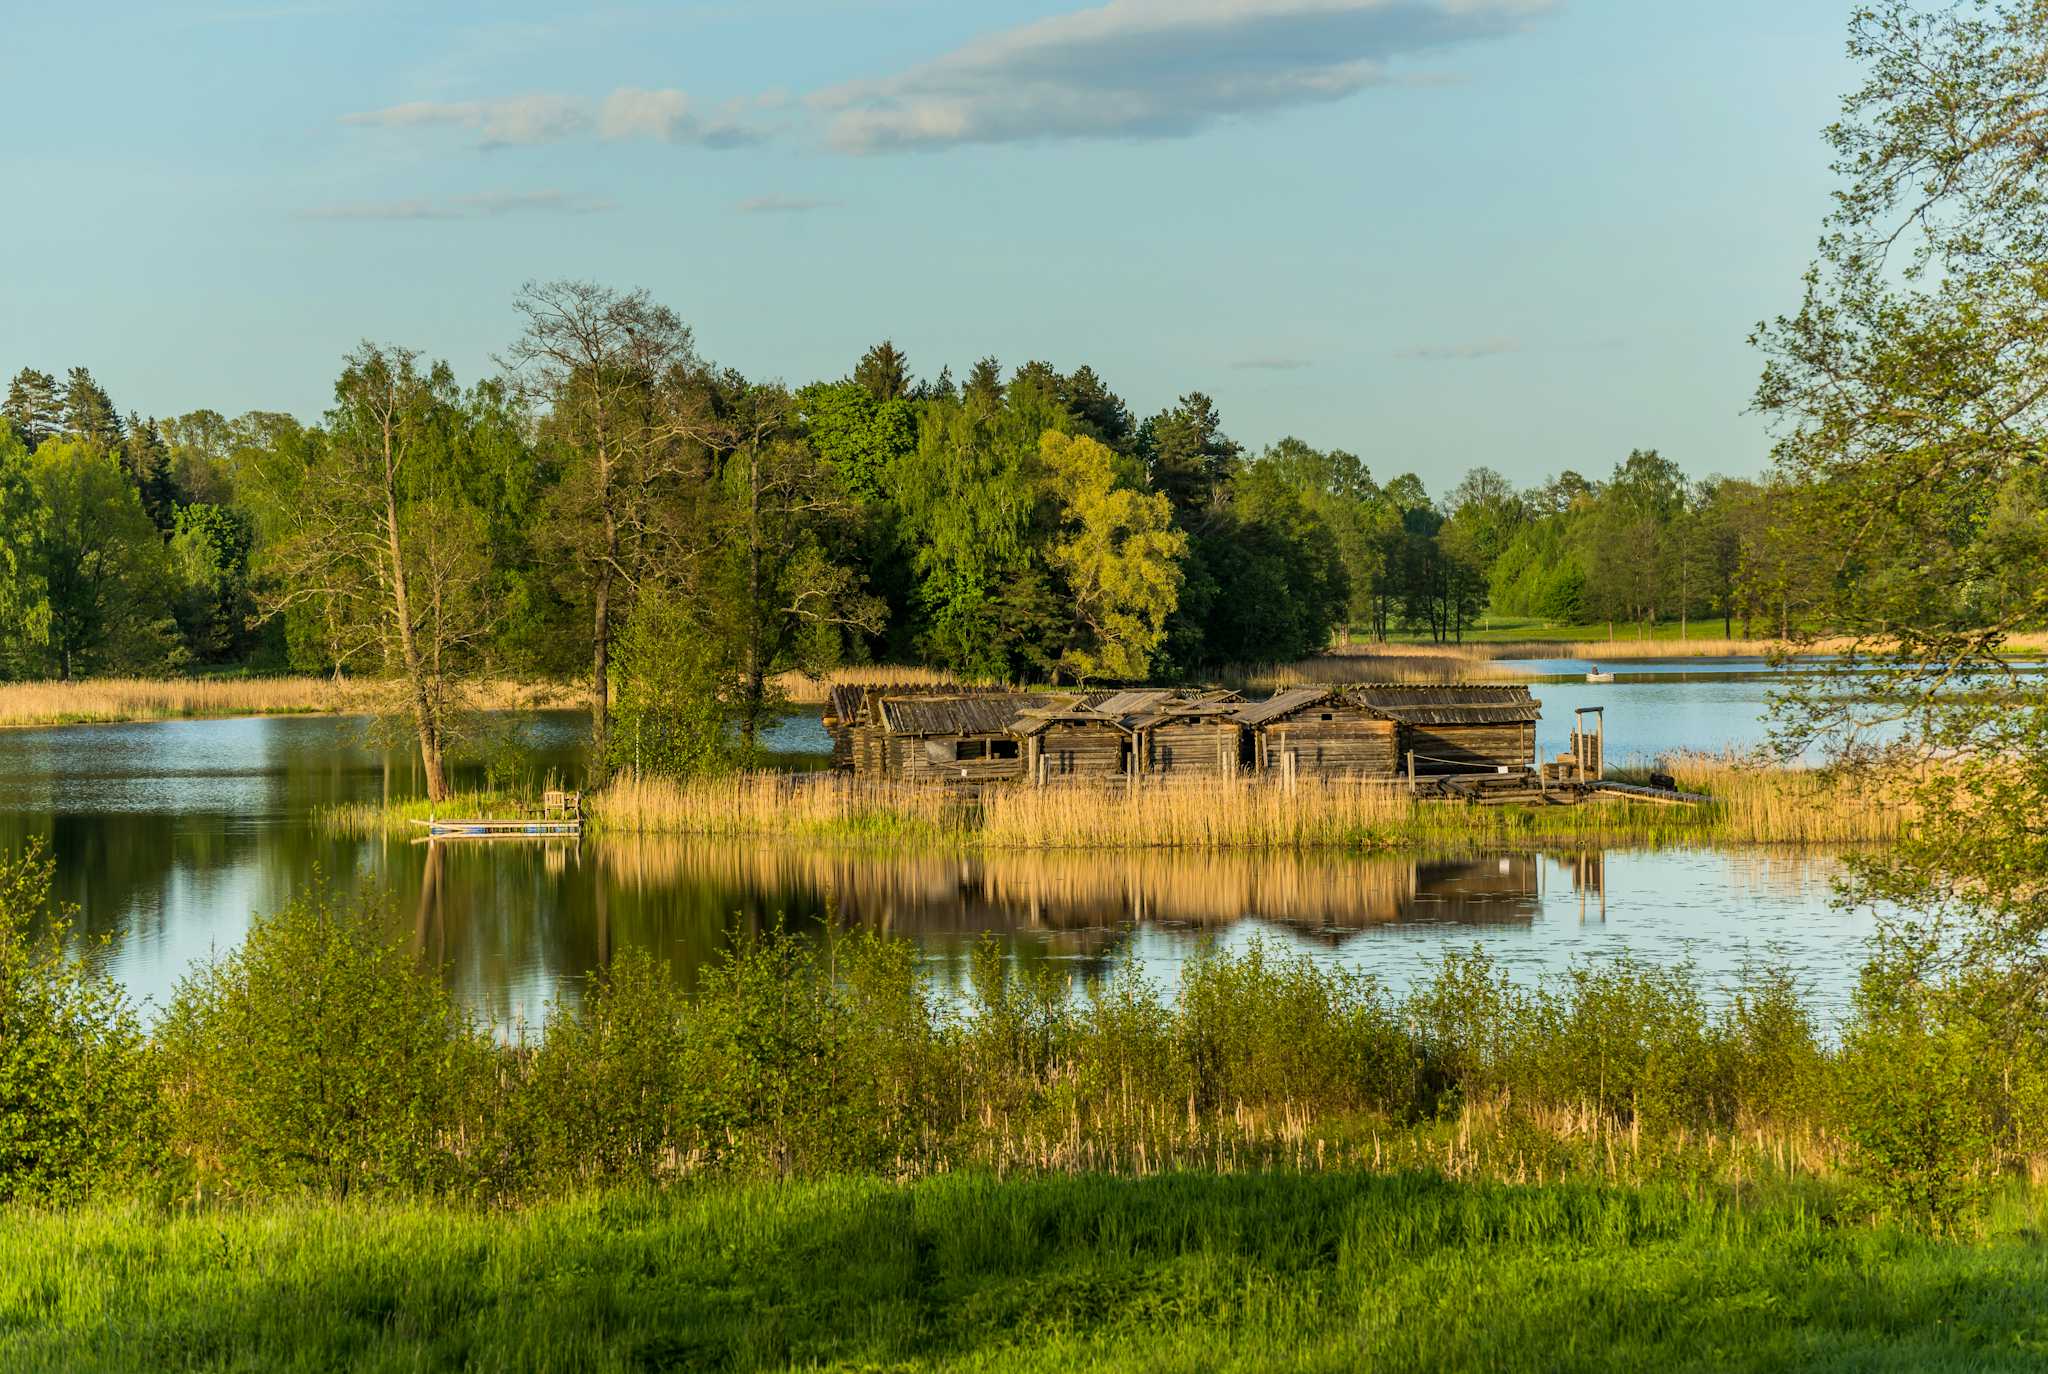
x=614 y=508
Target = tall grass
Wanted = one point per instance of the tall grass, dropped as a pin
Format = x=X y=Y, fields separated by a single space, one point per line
x=1750 y=806
x=1179 y=1273
x=803 y=689
x=111 y=700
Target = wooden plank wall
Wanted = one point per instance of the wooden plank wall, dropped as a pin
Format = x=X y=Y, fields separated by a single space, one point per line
x=1471 y=748
x=1082 y=749
x=1350 y=743
x=905 y=757
x=1191 y=748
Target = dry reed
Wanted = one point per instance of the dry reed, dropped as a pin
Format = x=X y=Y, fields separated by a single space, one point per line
x=1750 y=806
x=110 y=700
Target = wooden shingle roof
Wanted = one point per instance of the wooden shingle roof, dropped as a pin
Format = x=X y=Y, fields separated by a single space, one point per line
x=1449 y=703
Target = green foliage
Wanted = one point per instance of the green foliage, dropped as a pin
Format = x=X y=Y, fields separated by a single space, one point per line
x=75 y=1072
x=672 y=711
x=24 y=595
x=1911 y=1089
x=100 y=562
x=1120 y=557
x=209 y=554
x=321 y=1057
x=860 y=436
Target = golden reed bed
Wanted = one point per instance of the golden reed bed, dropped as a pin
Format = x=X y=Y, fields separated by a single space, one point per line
x=108 y=700
x=1751 y=806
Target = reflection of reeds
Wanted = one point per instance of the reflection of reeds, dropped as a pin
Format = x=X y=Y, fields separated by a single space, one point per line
x=103 y=700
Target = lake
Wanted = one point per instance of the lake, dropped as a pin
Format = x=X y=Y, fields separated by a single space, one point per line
x=169 y=835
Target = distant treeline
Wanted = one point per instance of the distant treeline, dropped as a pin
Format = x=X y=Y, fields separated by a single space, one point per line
x=615 y=507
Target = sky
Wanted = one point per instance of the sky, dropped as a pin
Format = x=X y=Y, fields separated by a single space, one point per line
x=1531 y=234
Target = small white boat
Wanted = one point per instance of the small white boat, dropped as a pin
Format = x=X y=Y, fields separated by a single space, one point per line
x=1597 y=676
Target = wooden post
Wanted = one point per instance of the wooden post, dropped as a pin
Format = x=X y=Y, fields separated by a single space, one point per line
x=1411 y=770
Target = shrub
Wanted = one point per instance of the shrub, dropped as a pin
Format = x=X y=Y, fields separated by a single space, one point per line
x=320 y=1056
x=614 y=1092
x=1910 y=1083
x=75 y=1090
x=1263 y=1028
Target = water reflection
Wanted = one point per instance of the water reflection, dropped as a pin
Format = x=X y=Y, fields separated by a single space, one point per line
x=170 y=835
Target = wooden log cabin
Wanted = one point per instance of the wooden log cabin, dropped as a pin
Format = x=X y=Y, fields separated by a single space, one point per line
x=1178 y=734
x=1317 y=732
x=1072 y=738
x=1456 y=727
x=952 y=739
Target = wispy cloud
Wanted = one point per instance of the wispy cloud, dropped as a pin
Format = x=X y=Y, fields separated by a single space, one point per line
x=667 y=116
x=782 y=205
x=1272 y=364
x=1153 y=68
x=498 y=123
x=492 y=205
x=1461 y=352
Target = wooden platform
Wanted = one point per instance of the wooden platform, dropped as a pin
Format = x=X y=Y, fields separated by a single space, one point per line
x=513 y=829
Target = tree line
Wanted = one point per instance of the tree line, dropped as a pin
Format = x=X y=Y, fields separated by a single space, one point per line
x=611 y=506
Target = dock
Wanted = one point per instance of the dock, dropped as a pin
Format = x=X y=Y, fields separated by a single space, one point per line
x=481 y=829
x=561 y=817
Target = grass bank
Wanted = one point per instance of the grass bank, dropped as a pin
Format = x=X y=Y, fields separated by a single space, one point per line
x=101 y=701
x=1176 y=1272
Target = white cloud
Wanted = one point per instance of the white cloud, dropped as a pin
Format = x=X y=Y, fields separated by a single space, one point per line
x=669 y=116
x=1153 y=68
x=1461 y=352
x=782 y=205
x=514 y=120
x=490 y=205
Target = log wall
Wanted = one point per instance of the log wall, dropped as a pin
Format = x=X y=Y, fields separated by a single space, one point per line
x=1350 y=743
x=1082 y=749
x=1468 y=748
x=1191 y=748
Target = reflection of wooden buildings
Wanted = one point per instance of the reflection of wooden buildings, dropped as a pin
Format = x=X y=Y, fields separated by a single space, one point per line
x=1379 y=730
x=1090 y=896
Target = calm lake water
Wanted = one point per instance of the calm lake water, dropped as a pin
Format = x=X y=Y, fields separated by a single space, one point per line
x=169 y=835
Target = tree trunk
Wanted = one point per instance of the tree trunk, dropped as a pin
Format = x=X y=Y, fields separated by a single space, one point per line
x=600 y=676
x=425 y=717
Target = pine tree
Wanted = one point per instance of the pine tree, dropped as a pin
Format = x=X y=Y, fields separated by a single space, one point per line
x=147 y=459
x=884 y=371
x=984 y=385
x=88 y=411
x=1189 y=457
x=33 y=406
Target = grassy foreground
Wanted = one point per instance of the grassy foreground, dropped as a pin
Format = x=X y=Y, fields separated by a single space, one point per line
x=1172 y=1272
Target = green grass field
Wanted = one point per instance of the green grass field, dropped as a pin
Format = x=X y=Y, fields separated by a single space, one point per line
x=1312 y=1272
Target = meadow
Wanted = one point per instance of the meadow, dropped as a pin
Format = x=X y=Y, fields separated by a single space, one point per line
x=1166 y=1272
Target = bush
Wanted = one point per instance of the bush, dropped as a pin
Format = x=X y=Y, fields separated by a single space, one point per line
x=614 y=1093
x=1910 y=1088
x=75 y=1071
x=321 y=1057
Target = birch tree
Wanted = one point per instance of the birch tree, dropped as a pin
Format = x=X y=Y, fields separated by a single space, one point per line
x=601 y=365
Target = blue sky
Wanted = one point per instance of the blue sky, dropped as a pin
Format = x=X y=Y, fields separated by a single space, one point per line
x=1435 y=232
